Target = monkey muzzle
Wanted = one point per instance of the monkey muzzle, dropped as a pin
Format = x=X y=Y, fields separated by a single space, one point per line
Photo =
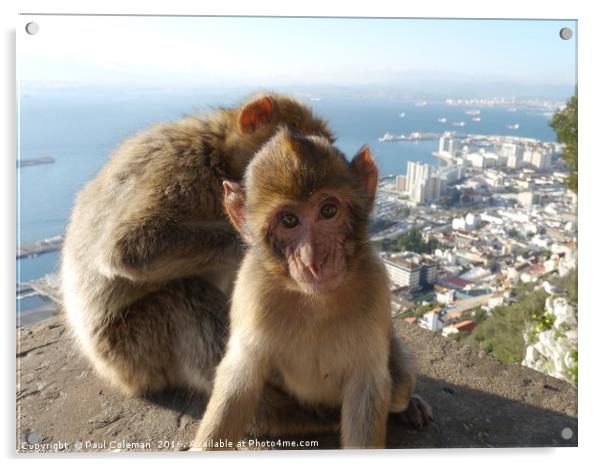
x=317 y=268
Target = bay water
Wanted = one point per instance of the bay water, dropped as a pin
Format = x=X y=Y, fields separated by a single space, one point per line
x=80 y=129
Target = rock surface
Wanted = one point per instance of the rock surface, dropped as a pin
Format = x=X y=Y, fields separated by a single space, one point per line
x=477 y=402
x=553 y=351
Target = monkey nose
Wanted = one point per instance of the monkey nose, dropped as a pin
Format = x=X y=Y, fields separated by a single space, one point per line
x=307 y=255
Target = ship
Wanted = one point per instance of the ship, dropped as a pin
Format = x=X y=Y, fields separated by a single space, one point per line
x=512 y=109
x=442 y=120
x=472 y=112
x=402 y=115
x=420 y=103
x=386 y=137
x=459 y=123
x=512 y=126
x=476 y=119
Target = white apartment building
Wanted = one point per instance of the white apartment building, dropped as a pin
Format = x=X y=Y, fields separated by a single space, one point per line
x=449 y=145
x=431 y=320
x=403 y=273
x=541 y=160
x=400 y=183
x=483 y=160
x=528 y=198
x=508 y=150
x=514 y=162
x=423 y=183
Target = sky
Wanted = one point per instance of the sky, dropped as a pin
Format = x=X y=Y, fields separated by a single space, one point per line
x=188 y=51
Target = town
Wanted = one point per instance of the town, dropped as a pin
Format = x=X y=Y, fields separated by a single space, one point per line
x=460 y=238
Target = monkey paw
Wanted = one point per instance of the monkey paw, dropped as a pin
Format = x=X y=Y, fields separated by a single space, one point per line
x=418 y=414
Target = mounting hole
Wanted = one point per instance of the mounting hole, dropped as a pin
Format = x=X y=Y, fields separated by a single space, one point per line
x=32 y=28
x=32 y=438
x=566 y=34
x=566 y=433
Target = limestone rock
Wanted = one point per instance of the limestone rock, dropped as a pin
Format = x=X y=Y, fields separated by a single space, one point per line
x=62 y=406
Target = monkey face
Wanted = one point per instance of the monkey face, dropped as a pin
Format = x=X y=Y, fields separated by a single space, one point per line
x=304 y=208
x=311 y=238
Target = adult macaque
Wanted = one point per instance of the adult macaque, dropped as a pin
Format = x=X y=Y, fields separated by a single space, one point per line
x=149 y=254
x=310 y=310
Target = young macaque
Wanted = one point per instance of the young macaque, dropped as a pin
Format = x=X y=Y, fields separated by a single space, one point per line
x=310 y=310
x=149 y=255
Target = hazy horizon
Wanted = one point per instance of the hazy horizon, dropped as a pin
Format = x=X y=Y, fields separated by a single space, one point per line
x=415 y=57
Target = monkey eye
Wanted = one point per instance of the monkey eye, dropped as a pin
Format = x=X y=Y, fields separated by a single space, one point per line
x=289 y=220
x=328 y=210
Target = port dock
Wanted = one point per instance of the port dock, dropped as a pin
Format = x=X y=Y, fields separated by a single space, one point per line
x=415 y=136
x=47 y=286
x=36 y=161
x=444 y=157
x=39 y=247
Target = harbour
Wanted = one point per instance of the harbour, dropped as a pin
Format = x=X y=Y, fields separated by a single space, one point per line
x=47 y=286
x=39 y=247
x=46 y=294
x=35 y=161
x=414 y=136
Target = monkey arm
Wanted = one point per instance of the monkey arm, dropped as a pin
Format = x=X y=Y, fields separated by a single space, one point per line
x=365 y=407
x=239 y=382
x=402 y=367
x=159 y=248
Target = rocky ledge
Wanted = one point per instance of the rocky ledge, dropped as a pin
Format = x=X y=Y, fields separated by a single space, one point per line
x=62 y=406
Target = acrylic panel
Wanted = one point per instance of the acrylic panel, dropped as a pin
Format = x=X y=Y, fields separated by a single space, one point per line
x=122 y=307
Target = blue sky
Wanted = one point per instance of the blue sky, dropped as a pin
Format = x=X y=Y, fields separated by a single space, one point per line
x=154 y=51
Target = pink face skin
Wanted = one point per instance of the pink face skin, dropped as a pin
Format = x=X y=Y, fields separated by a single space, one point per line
x=312 y=238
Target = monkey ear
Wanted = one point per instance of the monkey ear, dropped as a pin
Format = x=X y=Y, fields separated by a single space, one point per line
x=234 y=202
x=364 y=167
x=255 y=114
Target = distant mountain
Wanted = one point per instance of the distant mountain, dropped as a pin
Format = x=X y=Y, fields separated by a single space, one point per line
x=412 y=86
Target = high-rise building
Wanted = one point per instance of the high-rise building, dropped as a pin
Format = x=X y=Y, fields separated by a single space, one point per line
x=428 y=273
x=454 y=146
x=482 y=160
x=400 y=183
x=508 y=150
x=452 y=173
x=417 y=192
x=542 y=160
x=435 y=187
x=423 y=185
x=443 y=143
x=514 y=162
x=417 y=172
x=427 y=190
x=449 y=145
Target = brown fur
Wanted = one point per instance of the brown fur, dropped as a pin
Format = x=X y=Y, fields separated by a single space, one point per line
x=149 y=255
x=336 y=350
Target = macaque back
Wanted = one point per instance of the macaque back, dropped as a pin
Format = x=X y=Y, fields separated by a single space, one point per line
x=149 y=255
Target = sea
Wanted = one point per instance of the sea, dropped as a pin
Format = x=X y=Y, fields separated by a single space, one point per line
x=80 y=129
